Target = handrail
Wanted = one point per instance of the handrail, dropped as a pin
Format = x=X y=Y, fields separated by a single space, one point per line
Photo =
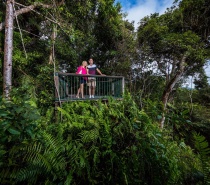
x=88 y=75
x=105 y=86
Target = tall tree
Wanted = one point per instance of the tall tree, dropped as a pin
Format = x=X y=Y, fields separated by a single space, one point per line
x=8 y=47
x=177 y=50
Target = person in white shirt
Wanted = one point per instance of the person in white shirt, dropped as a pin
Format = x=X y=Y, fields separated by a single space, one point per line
x=91 y=70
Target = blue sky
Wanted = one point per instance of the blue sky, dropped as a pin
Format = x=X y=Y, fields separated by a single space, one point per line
x=137 y=9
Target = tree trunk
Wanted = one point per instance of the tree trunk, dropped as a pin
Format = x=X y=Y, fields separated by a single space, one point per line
x=170 y=87
x=8 y=47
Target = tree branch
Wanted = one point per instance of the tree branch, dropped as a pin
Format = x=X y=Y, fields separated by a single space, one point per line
x=27 y=9
x=170 y=87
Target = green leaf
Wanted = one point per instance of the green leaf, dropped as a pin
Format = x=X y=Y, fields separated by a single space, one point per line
x=159 y=117
x=3 y=114
x=13 y=131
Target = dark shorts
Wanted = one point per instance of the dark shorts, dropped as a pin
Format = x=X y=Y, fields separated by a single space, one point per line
x=82 y=80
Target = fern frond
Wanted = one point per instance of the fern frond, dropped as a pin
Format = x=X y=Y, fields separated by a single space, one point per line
x=203 y=149
x=43 y=158
x=29 y=173
x=68 y=179
x=64 y=112
x=89 y=135
x=202 y=145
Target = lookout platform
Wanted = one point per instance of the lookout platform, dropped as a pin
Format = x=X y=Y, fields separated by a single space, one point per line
x=67 y=84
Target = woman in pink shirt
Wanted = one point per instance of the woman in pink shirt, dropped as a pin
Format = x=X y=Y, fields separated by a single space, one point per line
x=82 y=70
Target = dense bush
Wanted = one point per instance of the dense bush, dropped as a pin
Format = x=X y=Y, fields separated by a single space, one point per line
x=92 y=142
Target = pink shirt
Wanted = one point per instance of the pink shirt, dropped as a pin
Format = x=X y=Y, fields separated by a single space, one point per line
x=82 y=70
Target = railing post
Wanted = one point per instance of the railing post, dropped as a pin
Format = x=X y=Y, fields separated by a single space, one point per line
x=123 y=85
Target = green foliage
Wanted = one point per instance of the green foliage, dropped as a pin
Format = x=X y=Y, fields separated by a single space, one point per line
x=194 y=15
x=94 y=142
x=153 y=109
x=113 y=142
x=202 y=81
x=44 y=159
x=203 y=149
x=18 y=121
x=144 y=88
x=194 y=104
x=18 y=126
x=45 y=89
x=178 y=116
x=159 y=36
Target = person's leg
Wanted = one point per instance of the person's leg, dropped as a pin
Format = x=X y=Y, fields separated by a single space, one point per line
x=82 y=89
x=93 y=91
x=93 y=88
x=77 y=96
x=90 y=89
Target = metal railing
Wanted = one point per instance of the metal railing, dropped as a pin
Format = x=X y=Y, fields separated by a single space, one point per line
x=67 y=85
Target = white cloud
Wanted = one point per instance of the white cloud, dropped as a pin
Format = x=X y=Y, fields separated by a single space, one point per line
x=207 y=70
x=144 y=8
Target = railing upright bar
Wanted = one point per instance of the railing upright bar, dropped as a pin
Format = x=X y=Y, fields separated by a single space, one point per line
x=123 y=85
x=108 y=87
x=99 y=86
x=104 y=86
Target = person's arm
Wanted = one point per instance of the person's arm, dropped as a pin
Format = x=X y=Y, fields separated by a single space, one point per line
x=87 y=70
x=79 y=70
x=99 y=71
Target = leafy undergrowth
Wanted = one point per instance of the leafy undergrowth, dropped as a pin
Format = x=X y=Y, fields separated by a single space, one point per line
x=92 y=143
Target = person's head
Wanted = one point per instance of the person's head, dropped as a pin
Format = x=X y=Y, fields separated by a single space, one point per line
x=84 y=63
x=90 y=61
